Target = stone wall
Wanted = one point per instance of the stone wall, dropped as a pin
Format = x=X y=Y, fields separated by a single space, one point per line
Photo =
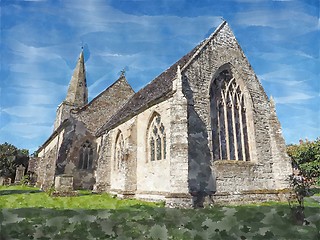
x=232 y=176
x=63 y=113
x=75 y=136
x=105 y=105
x=179 y=169
x=103 y=172
x=136 y=174
x=47 y=161
x=281 y=166
x=153 y=177
x=60 y=155
x=123 y=155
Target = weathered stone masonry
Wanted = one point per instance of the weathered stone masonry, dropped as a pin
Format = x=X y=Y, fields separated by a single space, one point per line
x=204 y=127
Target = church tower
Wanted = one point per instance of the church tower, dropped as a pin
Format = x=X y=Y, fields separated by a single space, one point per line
x=77 y=95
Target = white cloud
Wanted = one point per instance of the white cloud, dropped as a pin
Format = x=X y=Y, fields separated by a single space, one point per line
x=26 y=130
x=291 y=21
x=44 y=43
x=90 y=16
x=286 y=75
x=282 y=54
x=32 y=53
x=248 y=1
x=33 y=114
x=293 y=98
x=289 y=85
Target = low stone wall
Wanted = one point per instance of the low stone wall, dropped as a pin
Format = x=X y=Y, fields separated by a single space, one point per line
x=255 y=196
x=184 y=200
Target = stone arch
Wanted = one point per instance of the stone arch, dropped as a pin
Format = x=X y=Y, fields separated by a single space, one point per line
x=86 y=156
x=119 y=149
x=156 y=139
x=230 y=105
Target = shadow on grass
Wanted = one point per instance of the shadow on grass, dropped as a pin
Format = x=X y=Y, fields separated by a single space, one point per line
x=315 y=190
x=9 y=192
x=144 y=222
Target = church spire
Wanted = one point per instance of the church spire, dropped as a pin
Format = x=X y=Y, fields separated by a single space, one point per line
x=77 y=94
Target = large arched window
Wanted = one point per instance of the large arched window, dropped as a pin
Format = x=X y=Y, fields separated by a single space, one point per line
x=228 y=119
x=118 y=151
x=86 y=156
x=157 y=142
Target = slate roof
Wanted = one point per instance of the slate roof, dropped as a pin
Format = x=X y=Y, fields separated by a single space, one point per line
x=159 y=88
x=104 y=92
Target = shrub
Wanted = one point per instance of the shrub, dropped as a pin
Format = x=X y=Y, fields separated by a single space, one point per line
x=306 y=157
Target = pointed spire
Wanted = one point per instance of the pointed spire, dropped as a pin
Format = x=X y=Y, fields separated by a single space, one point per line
x=272 y=104
x=77 y=94
x=178 y=86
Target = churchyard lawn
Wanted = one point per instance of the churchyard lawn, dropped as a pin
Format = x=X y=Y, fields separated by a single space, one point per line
x=27 y=213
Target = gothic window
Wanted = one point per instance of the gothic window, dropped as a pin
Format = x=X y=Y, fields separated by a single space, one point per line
x=119 y=151
x=86 y=156
x=157 y=139
x=228 y=119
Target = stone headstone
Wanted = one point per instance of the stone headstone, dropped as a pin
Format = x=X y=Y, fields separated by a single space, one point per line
x=63 y=183
x=19 y=173
x=1 y=181
x=6 y=181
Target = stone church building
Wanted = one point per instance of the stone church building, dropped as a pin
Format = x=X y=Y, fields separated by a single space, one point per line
x=203 y=127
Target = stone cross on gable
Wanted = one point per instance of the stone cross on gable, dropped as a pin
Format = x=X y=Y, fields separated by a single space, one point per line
x=123 y=73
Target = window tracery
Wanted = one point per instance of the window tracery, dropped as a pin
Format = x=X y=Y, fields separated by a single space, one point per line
x=86 y=156
x=119 y=151
x=228 y=119
x=157 y=139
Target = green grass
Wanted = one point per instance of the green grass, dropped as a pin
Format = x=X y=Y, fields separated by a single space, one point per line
x=29 y=197
x=29 y=214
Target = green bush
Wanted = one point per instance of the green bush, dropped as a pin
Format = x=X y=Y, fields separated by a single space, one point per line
x=306 y=157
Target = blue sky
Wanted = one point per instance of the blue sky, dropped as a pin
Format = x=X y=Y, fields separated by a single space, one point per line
x=41 y=41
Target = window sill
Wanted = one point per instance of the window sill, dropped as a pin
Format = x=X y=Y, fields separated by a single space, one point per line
x=233 y=162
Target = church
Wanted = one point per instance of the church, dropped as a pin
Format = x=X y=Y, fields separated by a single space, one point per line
x=203 y=127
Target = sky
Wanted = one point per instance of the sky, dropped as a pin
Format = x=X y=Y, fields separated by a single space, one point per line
x=40 y=42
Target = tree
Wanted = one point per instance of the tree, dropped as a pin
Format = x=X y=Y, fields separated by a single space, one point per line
x=306 y=157
x=10 y=158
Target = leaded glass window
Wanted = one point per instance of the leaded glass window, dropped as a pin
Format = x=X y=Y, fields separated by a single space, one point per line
x=86 y=156
x=119 y=151
x=152 y=149
x=157 y=139
x=228 y=119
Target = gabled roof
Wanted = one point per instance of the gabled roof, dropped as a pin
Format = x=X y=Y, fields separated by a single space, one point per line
x=104 y=92
x=105 y=105
x=160 y=88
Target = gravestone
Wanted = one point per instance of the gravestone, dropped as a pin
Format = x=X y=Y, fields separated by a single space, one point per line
x=19 y=173
x=63 y=183
x=6 y=181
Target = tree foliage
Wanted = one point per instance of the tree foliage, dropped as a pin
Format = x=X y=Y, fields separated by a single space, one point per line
x=306 y=157
x=10 y=158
